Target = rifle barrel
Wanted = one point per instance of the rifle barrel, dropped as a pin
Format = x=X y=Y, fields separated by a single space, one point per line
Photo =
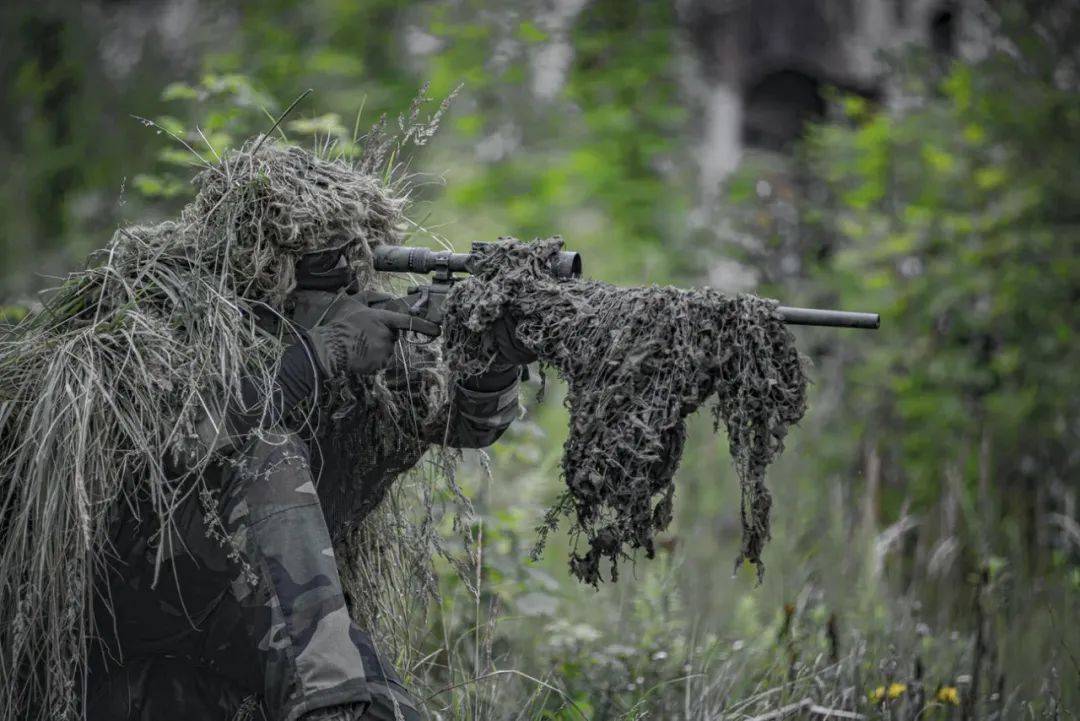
x=834 y=318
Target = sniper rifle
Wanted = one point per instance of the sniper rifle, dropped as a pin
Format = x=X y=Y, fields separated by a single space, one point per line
x=442 y=264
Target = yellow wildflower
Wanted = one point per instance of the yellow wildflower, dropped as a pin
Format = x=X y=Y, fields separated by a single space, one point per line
x=949 y=695
x=891 y=692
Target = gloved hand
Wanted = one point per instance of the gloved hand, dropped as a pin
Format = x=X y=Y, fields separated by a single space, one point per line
x=357 y=339
x=509 y=352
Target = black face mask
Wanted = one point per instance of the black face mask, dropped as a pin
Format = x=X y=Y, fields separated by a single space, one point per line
x=321 y=276
x=326 y=270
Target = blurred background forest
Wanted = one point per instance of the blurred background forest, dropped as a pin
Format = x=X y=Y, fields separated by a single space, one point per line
x=916 y=158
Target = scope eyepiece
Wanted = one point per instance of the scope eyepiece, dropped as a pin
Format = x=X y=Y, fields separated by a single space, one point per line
x=568 y=264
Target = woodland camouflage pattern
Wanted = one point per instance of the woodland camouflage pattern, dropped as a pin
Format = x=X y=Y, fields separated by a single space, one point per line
x=256 y=606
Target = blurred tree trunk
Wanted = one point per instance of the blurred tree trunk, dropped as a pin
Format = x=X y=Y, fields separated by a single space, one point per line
x=56 y=82
x=871 y=511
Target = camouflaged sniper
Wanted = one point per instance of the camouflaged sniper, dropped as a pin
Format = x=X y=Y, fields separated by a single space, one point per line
x=199 y=580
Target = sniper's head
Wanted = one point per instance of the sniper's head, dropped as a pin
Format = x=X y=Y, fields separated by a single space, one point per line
x=271 y=211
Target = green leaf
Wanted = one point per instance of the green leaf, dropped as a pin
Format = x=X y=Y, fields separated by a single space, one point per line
x=179 y=91
x=990 y=177
x=530 y=33
x=328 y=124
x=156 y=186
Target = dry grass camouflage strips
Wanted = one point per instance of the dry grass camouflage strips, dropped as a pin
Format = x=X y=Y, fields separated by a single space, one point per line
x=101 y=389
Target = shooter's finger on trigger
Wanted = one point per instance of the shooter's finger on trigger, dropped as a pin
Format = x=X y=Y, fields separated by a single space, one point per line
x=393 y=304
x=402 y=321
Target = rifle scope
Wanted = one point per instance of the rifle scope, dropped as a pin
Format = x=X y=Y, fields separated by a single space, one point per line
x=404 y=259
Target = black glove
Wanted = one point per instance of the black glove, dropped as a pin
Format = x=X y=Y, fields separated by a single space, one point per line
x=508 y=351
x=356 y=339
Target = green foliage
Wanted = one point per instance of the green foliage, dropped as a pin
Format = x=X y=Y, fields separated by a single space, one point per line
x=956 y=219
x=11 y=314
x=953 y=214
x=595 y=163
x=68 y=144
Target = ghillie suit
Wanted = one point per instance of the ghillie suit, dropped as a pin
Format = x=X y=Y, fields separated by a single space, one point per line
x=637 y=361
x=103 y=392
